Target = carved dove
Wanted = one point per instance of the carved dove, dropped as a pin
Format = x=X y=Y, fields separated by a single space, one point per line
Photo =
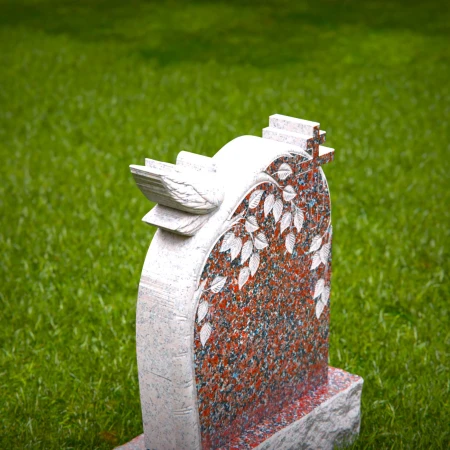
x=179 y=188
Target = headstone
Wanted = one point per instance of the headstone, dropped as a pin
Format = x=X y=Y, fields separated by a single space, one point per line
x=234 y=299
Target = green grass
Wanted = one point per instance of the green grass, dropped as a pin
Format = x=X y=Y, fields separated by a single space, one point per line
x=88 y=87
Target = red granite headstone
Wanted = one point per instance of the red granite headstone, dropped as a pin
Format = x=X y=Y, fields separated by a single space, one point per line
x=233 y=314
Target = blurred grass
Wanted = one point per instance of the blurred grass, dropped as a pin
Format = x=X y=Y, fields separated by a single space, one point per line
x=88 y=87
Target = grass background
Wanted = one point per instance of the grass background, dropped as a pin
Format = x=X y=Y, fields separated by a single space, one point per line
x=88 y=87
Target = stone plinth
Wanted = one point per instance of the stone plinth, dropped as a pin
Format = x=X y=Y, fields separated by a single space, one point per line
x=327 y=417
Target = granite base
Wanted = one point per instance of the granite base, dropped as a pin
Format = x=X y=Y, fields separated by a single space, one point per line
x=327 y=418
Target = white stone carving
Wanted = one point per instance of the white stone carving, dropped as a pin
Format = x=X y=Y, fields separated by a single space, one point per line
x=179 y=188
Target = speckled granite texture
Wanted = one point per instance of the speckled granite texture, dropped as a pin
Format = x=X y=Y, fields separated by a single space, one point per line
x=320 y=419
x=326 y=417
x=264 y=304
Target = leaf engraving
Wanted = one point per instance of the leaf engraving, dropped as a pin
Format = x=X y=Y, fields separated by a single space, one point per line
x=254 y=263
x=289 y=193
x=227 y=241
x=251 y=224
x=247 y=250
x=198 y=293
x=217 y=284
x=255 y=198
x=299 y=218
x=285 y=221
x=205 y=333
x=325 y=253
x=277 y=209
x=325 y=295
x=236 y=248
x=290 y=242
x=202 y=311
x=319 y=288
x=319 y=308
x=315 y=243
x=315 y=261
x=284 y=171
x=261 y=241
x=268 y=204
x=244 y=275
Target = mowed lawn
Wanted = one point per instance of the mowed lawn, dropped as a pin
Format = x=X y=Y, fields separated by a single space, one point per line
x=88 y=87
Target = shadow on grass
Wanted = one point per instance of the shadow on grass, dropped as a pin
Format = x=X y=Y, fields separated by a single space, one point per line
x=231 y=32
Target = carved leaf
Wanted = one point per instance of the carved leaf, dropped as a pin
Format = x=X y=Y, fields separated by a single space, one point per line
x=315 y=243
x=191 y=192
x=315 y=261
x=255 y=198
x=202 y=311
x=284 y=171
x=285 y=221
x=247 y=250
x=244 y=275
x=198 y=293
x=289 y=193
x=251 y=224
x=319 y=308
x=319 y=288
x=217 y=284
x=268 y=204
x=261 y=241
x=299 y=218
x=290 y=242
x=277 y=209
x=325 y=295
x=325 y=253
x=254 y=263
x=227 y=241
x=235 y=248
x=205 y=333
